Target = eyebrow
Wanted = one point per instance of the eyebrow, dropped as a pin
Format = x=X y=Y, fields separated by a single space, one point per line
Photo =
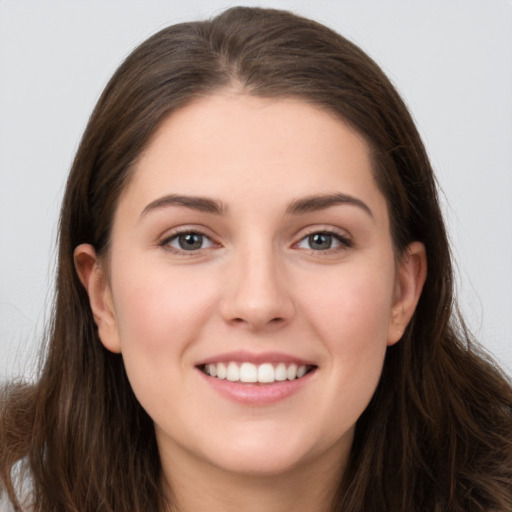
x=323 y=201
x=296 y=207
x=202 y=204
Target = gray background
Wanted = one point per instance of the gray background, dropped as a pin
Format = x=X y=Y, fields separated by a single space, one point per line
x=451 y=60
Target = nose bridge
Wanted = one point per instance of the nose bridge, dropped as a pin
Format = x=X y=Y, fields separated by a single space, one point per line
x=257 y=294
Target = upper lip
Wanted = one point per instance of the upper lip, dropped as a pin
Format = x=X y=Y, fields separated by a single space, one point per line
x=243 y=356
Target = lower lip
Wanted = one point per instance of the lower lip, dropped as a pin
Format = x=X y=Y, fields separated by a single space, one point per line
x=257 y=394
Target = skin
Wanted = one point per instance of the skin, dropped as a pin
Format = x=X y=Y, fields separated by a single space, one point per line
x=256 y=284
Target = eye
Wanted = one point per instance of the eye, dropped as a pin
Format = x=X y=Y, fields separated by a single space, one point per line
x=187 y=241
x=323 y=241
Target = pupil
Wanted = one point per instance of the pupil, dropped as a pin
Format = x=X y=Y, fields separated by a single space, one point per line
x=190 y=241
x=320 y=241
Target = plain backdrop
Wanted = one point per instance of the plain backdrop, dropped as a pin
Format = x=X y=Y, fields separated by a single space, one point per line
x=451 y=60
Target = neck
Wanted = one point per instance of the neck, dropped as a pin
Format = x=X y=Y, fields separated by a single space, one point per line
x=196 y=485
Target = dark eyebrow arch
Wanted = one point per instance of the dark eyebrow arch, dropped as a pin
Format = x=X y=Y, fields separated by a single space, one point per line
x=202 y=204
x=323 y=201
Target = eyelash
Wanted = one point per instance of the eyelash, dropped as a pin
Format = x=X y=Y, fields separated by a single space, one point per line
x=165 y=243
x=343 y=241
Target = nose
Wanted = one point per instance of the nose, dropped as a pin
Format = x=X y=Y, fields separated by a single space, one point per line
x=256 y=293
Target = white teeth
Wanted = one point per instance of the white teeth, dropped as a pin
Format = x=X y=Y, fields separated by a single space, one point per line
x=265 y=373
x=248 y=372
x=233 y=372
x=280 y=372
x=222 y=371
x=291 y=372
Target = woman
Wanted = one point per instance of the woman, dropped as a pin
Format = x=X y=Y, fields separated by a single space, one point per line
x=244 y=317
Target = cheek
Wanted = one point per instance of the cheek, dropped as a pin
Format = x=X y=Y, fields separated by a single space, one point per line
x=159 y=312
x=159 y=315
x=350 y=313
x=351 y=307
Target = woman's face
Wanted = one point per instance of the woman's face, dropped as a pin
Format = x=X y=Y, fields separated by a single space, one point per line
x=252 y=288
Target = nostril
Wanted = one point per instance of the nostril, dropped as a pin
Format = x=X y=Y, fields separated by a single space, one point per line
x=258 y=323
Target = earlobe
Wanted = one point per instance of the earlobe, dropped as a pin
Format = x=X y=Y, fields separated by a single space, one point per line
x=410 y=278
x=94 y=280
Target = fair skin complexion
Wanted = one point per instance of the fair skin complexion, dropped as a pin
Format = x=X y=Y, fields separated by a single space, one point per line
x=252 y=232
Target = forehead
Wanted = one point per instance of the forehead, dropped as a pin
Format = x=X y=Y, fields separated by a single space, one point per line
x=266 y=149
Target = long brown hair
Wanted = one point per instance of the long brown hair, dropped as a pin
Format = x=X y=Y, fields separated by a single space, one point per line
x=437 y=434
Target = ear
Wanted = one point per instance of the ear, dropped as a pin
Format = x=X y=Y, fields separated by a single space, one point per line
x=94 y=280
x=410 y=278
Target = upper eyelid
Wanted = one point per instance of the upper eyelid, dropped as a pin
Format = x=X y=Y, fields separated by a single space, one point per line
x=180 y=230
x=319 y=228
x=176 y=234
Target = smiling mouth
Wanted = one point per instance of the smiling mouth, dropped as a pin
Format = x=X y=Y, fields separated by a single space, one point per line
x=266 y=373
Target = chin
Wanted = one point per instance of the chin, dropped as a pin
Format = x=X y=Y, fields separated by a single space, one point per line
x=265 y=452
x=260 y=463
